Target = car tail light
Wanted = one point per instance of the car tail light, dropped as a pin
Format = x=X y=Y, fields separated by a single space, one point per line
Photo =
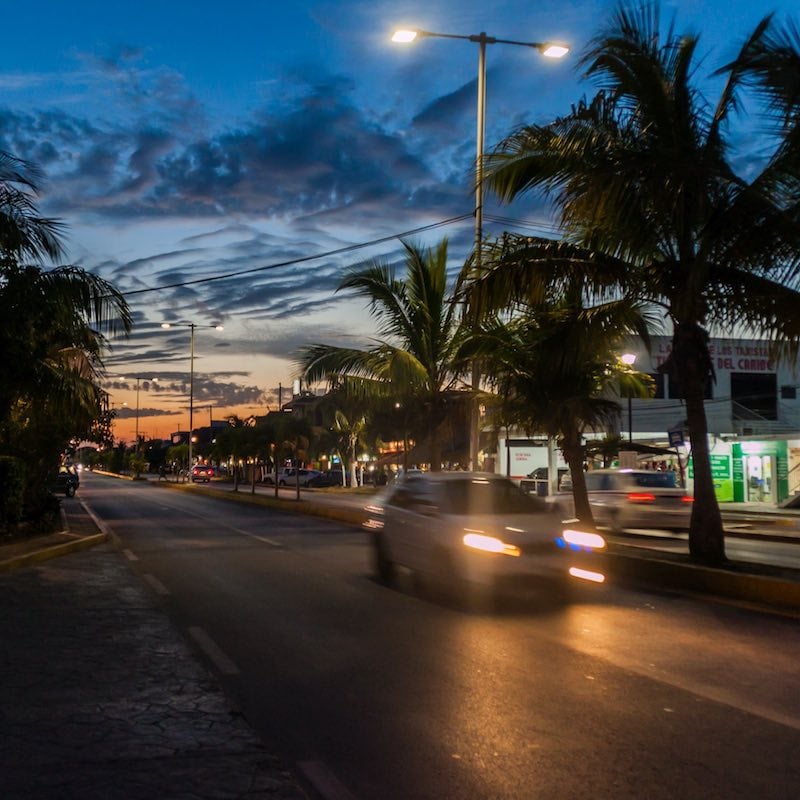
x=641 y=497
x=687 y=498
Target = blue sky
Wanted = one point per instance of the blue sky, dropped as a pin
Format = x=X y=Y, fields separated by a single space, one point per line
x=187 y=140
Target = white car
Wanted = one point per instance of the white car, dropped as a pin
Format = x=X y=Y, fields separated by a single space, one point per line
x=291 y=476
x=634 y=498
x=473 y=533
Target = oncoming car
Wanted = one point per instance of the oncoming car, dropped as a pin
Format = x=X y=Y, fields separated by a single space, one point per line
x=478 y=534
x=634 y=498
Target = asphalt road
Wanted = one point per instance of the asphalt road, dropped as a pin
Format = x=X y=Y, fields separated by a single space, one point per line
x=378 y=693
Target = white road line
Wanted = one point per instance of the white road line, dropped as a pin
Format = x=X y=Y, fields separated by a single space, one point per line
x=101 y=526
x=130 y=555
x=264 y=539
x=156 y=585
x=213 y=651
x=324 y=781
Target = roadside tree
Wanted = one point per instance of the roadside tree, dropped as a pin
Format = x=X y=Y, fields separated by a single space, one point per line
x=420 y=330
x=654 y=201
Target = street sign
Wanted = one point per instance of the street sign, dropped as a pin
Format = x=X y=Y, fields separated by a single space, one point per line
x=675 y=437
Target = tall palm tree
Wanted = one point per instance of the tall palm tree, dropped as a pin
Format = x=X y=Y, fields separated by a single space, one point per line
x=557 y=367
x=420 y=333
x=643 y=177
x=53 y=332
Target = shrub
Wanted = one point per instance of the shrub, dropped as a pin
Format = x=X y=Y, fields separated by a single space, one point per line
x=12 y=488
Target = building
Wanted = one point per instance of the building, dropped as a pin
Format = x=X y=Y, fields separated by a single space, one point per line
x=753 y=414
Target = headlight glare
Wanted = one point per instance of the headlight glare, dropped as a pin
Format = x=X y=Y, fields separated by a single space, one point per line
x=490 y=544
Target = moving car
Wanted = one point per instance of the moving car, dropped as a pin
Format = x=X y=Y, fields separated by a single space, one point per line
x=634 y=498
x=475 y=534
x=203 y=473
x=67 y=481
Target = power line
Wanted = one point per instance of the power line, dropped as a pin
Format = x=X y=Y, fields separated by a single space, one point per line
x=339 y=251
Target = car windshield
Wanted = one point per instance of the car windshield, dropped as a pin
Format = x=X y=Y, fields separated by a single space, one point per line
x=481 y=496
x=656 y=480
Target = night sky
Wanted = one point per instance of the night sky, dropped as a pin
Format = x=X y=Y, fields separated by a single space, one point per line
x=183 y=141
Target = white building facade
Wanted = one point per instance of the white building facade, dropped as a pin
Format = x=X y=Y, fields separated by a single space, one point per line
x=753 y=413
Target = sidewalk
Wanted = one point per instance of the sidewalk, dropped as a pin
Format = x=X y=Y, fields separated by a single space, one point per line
x=100 y=697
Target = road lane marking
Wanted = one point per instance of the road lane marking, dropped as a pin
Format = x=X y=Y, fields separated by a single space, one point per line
x=324 y=781
x=264 y=539
x=156 y=584
x=213 y=651
x=130 y=555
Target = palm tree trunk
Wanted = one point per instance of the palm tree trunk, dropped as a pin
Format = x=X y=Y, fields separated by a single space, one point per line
x=693 y=366
x=573 y=454
x=706 y=536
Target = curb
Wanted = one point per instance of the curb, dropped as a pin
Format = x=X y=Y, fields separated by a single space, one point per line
x=640 y=571
x=49 y=551
x=346 y=515
x=53 y=551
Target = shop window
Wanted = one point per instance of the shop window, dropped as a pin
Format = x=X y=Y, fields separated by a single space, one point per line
x=788 y=393
x=754 y=392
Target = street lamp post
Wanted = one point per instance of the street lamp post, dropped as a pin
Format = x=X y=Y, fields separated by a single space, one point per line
x=629 y=359
x=192 y=326
x=547 y=49
x=138 y=379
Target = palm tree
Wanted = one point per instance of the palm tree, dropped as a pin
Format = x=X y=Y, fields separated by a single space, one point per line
x=644 y=180
x=23 y=233
x=420 y=330
x=557 y=368
x=53 y=333
x=52 y=337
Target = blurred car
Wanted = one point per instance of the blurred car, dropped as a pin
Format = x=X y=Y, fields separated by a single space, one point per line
x=67 y=481
x=203 y=473
x=476 y=534
x=634 y=498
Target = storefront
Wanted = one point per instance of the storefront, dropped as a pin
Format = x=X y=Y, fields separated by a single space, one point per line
x=760 y=472
x=749 y=471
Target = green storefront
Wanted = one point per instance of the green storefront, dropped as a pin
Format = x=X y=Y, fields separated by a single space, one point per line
x=755 y=472
x=760 y=472
x=721 y=475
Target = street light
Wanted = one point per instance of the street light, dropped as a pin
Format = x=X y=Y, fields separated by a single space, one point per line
x=138 y=378
x=629 y=359
x=547 y=49
x=191 y=326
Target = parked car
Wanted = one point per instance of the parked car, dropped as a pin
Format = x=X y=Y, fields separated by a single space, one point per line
x=634 y=498
x=325 y=479
x=203 y=473
x=67 y=481
x=288 y=476
x=476 y=533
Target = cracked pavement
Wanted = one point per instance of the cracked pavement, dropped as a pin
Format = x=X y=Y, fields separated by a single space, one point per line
x=101 y=697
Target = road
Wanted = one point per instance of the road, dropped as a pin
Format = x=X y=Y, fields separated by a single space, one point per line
x=379 y=693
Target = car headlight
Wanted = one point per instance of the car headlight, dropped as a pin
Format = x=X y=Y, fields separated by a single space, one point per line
x=490 y=544
x=584 y=539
